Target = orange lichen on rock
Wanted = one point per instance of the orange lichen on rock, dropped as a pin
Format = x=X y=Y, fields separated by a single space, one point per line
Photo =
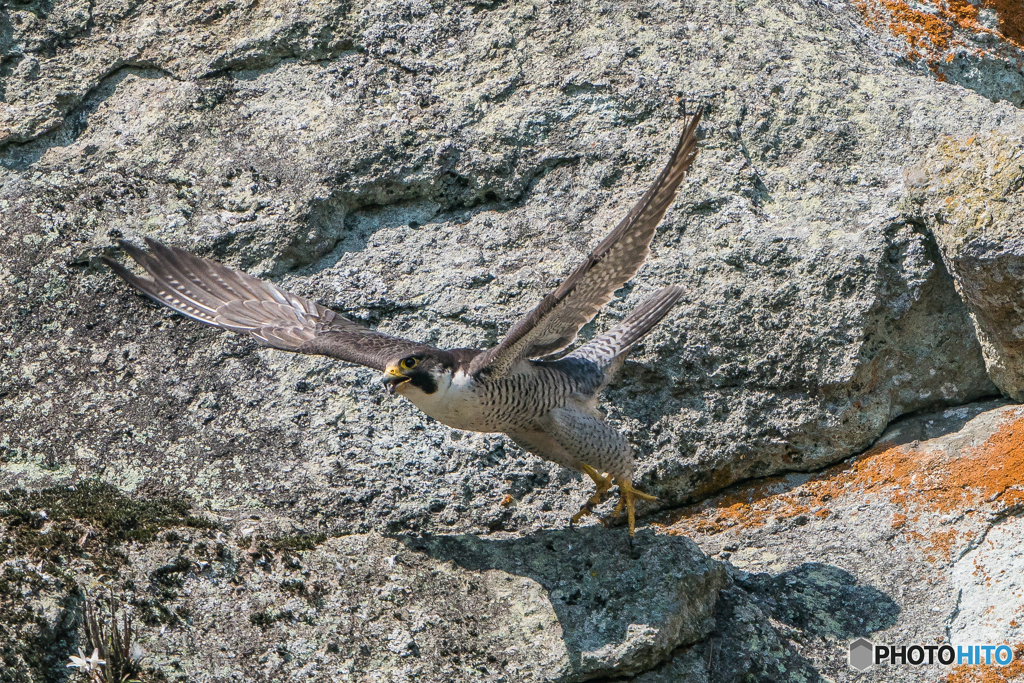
x=751 y=508
x=1011 y=19
x=932 y=35
x=939 y=76
x=963 y=13
x=916 y=481
x=922 y=30
x=995 y=470
x=940 y=544
x=1014 y=671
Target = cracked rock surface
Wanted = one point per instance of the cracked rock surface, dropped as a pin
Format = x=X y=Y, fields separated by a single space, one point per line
x=433 y=169
x=970 y=191
x=452 y=608
x=915 y=541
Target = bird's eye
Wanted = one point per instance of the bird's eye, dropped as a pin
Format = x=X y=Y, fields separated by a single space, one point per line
x=407 y=363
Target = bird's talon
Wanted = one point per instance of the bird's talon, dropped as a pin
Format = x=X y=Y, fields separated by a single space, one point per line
x=604 y=483
x=627 y=499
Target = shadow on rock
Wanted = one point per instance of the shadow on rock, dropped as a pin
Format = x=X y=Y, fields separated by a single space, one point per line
x=822 y=600
x=620 y=610
x=770 y=628
x=751 y=641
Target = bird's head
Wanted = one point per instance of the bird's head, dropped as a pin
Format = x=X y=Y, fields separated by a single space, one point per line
x=423 y=372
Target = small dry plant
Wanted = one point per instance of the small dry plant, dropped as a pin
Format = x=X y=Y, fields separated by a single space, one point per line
x=111 y=637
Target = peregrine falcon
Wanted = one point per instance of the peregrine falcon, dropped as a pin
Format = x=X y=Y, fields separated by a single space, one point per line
x=546 y=405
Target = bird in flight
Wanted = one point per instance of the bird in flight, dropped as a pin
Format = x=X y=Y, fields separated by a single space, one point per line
x=547 y=406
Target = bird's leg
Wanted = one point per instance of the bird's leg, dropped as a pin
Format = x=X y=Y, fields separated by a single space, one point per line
x=603 y=484
x=627 y=498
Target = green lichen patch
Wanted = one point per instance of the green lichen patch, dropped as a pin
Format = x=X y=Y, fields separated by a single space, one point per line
x=155 y=612
x=87 y=520
x=293 y=585
x=170 y=577
x=299 y=541
x=267 y=551
x=268 y=617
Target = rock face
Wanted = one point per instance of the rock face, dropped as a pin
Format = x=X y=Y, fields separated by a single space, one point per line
x=438 y=176
x=560 y=606
x=977 y=45
x=38 y=621
x=433 y=169
x=929 y=522
x=915 y=541
x=970 y=191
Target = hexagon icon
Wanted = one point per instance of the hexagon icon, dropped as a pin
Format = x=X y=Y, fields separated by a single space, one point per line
x=861 y=651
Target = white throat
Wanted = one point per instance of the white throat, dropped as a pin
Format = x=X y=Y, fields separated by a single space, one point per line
x=453 y=404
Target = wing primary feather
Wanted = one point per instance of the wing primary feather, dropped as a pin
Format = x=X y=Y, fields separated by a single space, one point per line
x=557 y=319
x=159 y=288
x=216 y=280
x=214 y=294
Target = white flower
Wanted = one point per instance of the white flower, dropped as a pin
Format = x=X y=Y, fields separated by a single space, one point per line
x=89 y=664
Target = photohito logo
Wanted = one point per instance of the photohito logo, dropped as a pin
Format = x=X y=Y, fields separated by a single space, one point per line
x=864 y=654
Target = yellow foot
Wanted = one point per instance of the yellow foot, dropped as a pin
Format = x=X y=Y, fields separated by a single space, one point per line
x=603 y=484
x=627 y=498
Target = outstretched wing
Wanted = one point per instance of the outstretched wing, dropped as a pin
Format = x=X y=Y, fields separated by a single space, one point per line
x=554 y=323
x=616 y=342
x=214 y=294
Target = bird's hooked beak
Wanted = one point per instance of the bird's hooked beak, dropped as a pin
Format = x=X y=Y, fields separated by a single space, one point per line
x=392 y=378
